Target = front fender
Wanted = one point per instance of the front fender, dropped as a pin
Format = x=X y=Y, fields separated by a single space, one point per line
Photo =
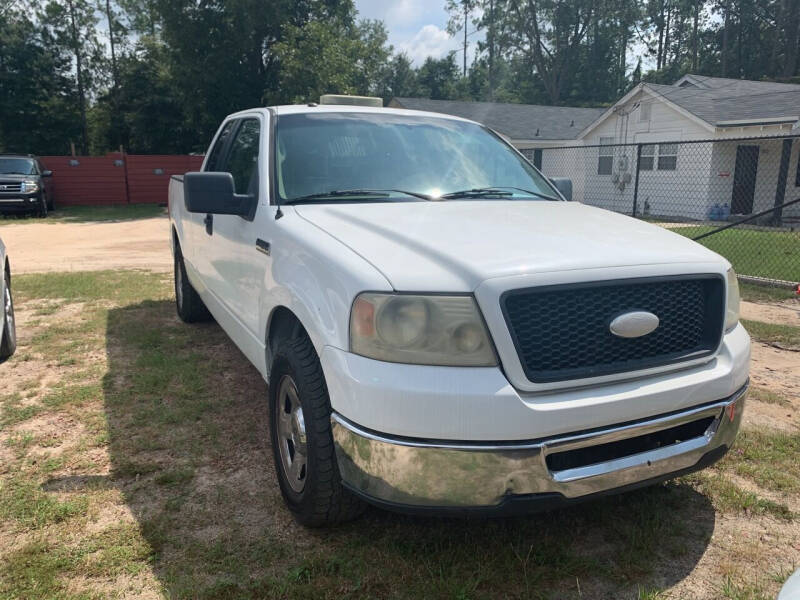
x=316 y=277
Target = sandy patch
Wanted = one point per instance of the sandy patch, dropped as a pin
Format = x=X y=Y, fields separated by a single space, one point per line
x=778 y=371
x=44 y=247
x=780 y=314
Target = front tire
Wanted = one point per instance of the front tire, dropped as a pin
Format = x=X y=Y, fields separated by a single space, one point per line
x=9 y=343
x=51 y=204
x=188 y=303
x=302 y=443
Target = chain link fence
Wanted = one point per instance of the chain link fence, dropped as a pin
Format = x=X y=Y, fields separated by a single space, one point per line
x=738 y=194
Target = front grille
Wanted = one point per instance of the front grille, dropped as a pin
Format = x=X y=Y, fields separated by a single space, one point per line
x=562 y=332
x=10 y=186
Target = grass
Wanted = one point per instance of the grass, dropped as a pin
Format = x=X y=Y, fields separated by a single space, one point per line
x=787 y=336
x=156 y=478
x=762 y=293
x=768 y=458
x=770 y=254
x=94 y=214
x=767 y=396
x=728 y=497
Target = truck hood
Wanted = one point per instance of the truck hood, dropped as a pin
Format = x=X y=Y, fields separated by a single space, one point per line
x=455 y=245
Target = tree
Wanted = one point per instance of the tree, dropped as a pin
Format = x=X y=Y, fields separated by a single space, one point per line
x=38 y=112
x=549 y=33
x=400 y=78
x=438 y=78
x=355 y=55
x=71 y=25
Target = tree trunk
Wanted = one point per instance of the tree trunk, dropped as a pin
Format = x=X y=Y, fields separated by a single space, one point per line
x=792 y=21
x=490 y=39
x=659 y=56
x=466 y=18
x=622 y=51
x=79 y=75
x=725 y=26
x=111 y=43
x=664 y=60
x=694 y=34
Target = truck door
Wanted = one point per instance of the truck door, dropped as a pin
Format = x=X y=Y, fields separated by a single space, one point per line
x=197 y=239
x=237 y=262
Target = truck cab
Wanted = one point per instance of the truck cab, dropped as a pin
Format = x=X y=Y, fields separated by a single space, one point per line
x=441 y=330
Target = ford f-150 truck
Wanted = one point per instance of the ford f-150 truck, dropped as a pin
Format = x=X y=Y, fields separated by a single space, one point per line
x=441 y=329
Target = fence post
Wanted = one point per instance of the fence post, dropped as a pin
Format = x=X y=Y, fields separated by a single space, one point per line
x=125 y=173
x=636 y=183
x=783 y=172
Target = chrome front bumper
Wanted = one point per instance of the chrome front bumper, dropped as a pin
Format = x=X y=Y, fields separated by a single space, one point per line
x=407 y=473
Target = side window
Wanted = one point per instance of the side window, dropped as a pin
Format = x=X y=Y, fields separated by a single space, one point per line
x=242 y=160
x=646 y=160
x=667 y=157
x=605 y=158
x=215 y=156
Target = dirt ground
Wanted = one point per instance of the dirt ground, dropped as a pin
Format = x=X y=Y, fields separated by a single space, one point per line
x=41 y=247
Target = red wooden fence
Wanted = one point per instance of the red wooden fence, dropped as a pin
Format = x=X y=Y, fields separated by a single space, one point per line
x=114 y=178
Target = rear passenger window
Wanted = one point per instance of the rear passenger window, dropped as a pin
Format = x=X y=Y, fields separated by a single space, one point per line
x=242 y=160
x=215 y=156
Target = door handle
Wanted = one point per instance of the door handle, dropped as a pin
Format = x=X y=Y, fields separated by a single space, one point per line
x=209 y=222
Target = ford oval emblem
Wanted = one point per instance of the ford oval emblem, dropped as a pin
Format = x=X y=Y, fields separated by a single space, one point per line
x=634 y=324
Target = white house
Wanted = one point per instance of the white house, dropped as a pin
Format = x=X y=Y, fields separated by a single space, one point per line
x=675 y=134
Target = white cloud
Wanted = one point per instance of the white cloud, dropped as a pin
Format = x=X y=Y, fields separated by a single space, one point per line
x=428 y=41
x=401 y=14
x=406 y=12
x=417 y=27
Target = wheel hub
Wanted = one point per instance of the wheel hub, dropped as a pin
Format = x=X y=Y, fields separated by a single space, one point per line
x=8 y=309
x=292 y=440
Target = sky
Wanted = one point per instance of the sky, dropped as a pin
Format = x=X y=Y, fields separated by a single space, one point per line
x=417 y=27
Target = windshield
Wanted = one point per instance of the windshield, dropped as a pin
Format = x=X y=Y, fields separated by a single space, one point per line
x=401 y=155
x=17 y=166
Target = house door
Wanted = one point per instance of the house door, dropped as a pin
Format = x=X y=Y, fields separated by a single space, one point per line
x=744 y=180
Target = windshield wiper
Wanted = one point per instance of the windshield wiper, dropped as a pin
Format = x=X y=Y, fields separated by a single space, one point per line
x=495 y=191
x=366 y=193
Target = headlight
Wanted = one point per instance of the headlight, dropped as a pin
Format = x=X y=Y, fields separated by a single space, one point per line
x=732 y=312
x=29 y=187
x=422 y=330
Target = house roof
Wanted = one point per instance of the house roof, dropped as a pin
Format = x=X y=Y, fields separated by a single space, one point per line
x=515 y=121
x=720 y=102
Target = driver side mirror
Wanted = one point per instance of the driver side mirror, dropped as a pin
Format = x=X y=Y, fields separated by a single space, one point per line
x=564 y=186
x=47 y=173
x=214 y=193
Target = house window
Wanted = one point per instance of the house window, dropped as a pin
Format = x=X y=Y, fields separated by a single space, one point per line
x=605 y=157
x=644 y=111
x=647 y=158
x=667 y=157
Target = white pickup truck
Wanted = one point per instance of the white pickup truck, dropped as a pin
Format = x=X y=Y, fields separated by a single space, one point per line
x=440 y=328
